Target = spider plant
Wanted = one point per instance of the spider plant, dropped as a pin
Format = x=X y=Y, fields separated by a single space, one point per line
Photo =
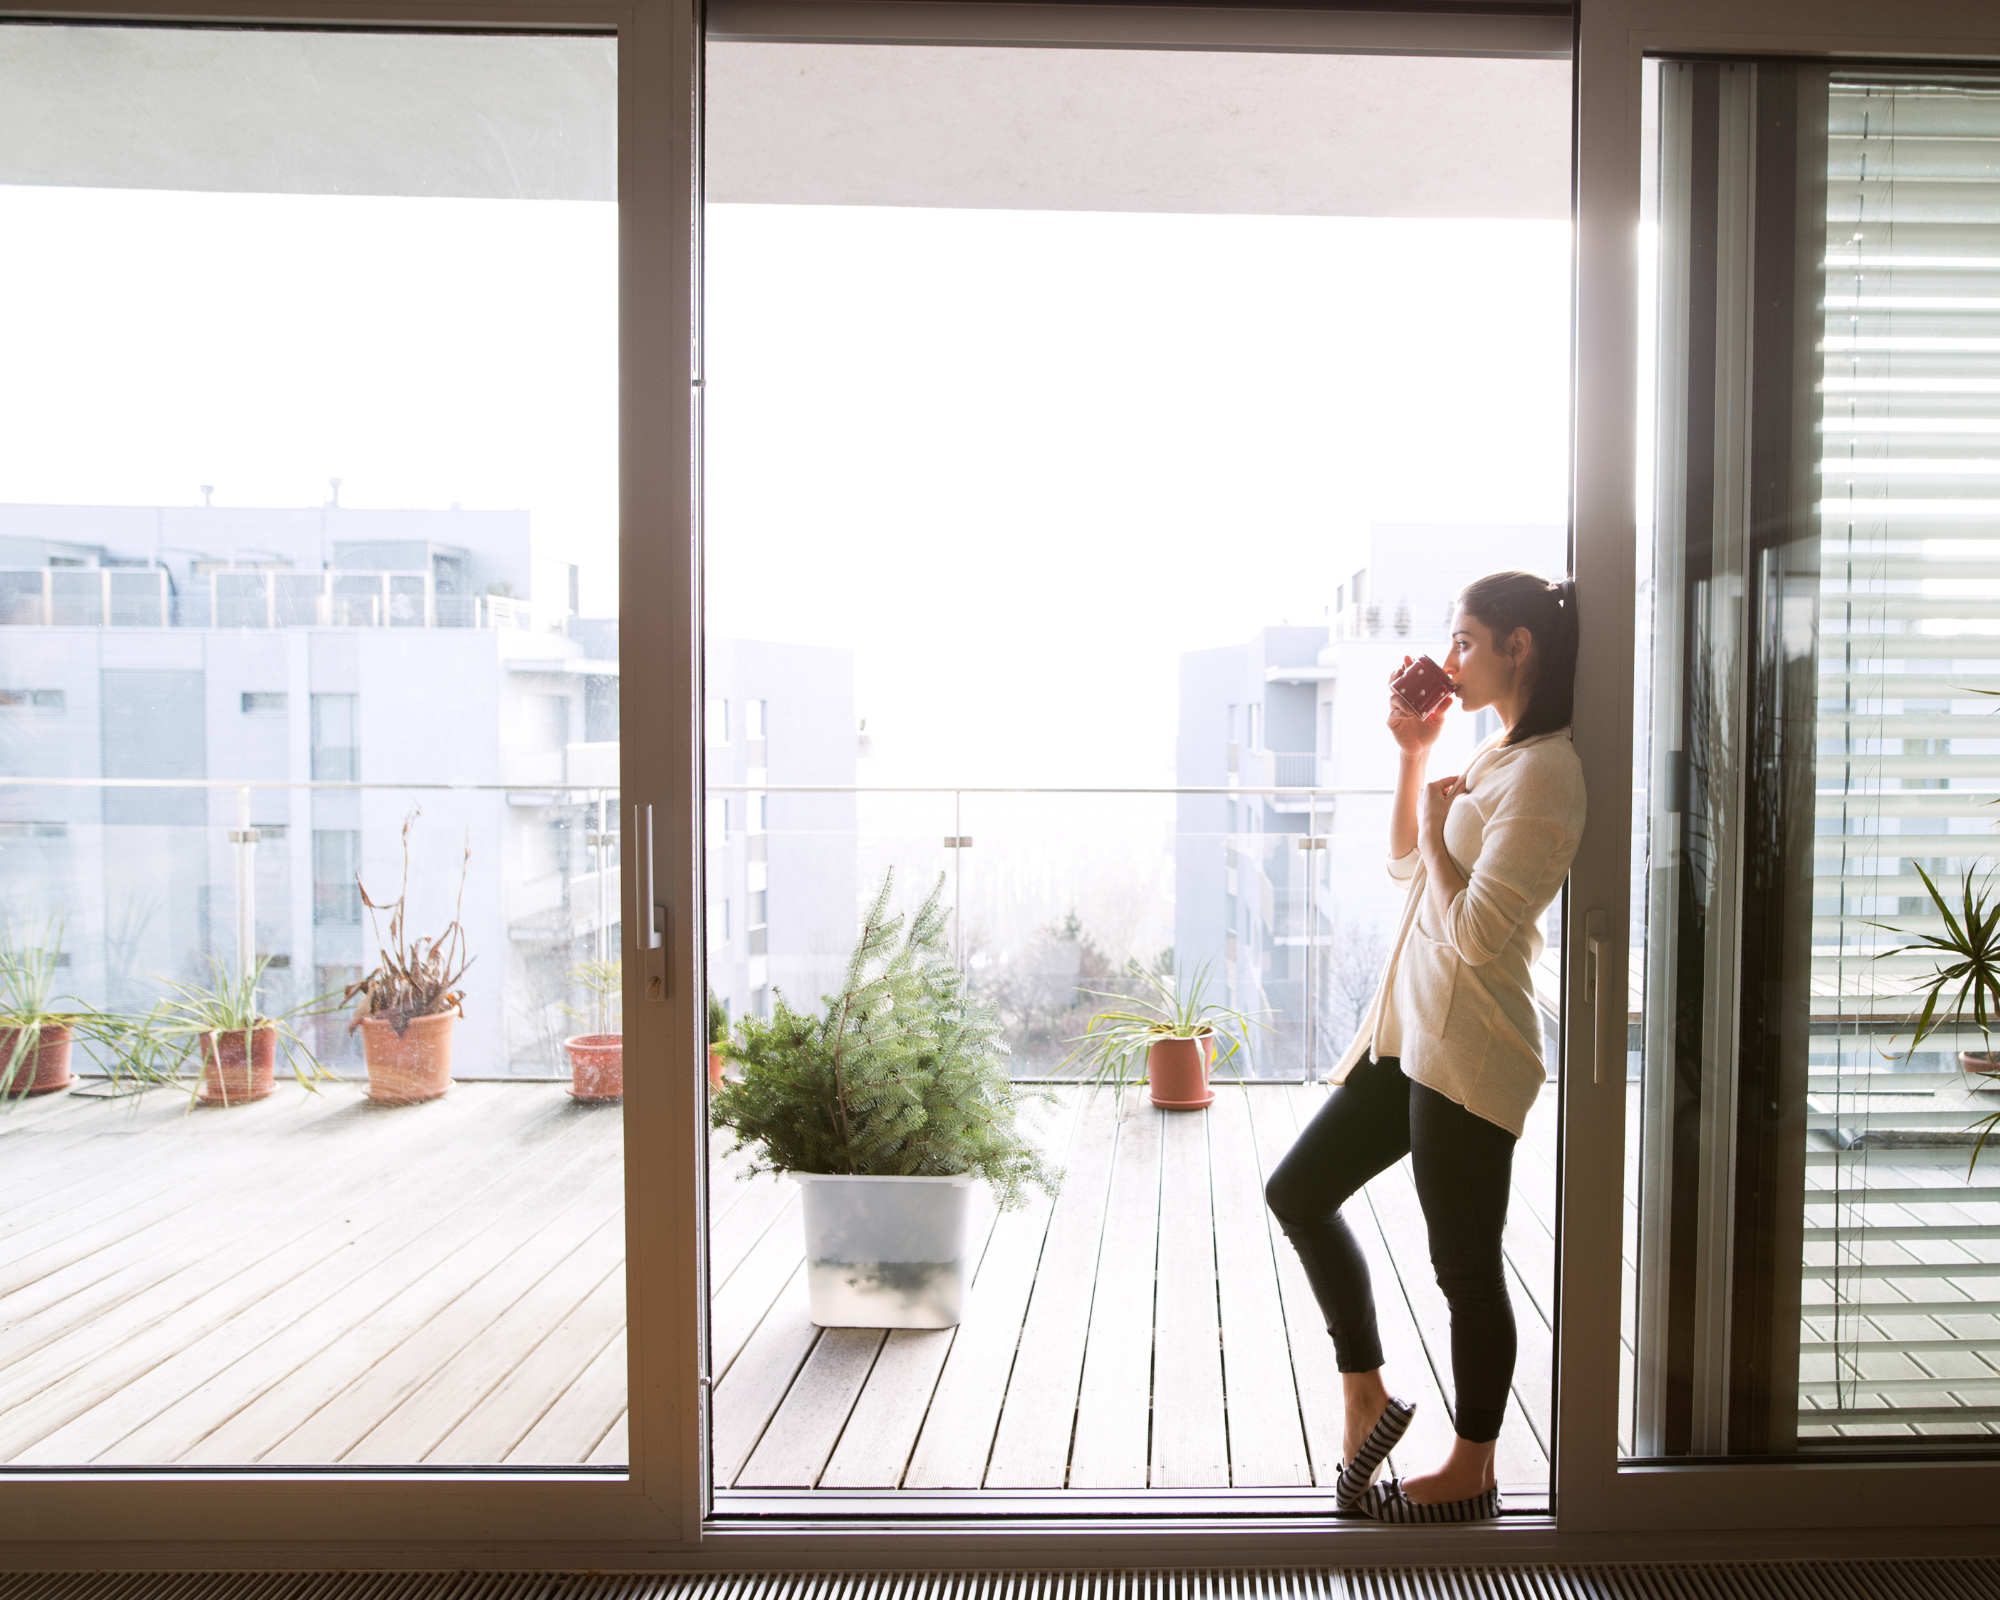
x=413 y=977
x=1966 y=955
x=192 y=1018
x=1161 y=1007
x=29 y=1003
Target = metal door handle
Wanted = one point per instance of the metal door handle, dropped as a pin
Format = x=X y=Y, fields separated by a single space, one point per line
x=649 y=925
x=1594 y=944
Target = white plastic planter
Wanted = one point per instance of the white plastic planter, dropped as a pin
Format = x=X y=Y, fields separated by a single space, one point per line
x=885 y=1252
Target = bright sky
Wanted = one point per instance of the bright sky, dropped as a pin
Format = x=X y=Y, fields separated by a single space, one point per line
x=1017 y=461
x=423 y=351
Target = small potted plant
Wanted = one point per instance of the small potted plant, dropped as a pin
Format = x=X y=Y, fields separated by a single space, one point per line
x=1966 y=955
x=38 y=1028
x=718 y=1040
x=236 y=1042
x=1169 y=1031
x=597 y=1060
x=410 y=1000
x=885 y=1107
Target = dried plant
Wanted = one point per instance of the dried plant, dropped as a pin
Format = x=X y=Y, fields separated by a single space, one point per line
x=412 y=978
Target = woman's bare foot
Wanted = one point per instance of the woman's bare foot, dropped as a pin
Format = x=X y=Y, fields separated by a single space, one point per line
x=1366 y=1399
x=1466 y=1472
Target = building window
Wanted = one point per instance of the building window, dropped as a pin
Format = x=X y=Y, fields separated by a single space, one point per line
x=336 y=888
x=756 y=908
x=760 y=813
x=753 y=719
x=718 y=821
x=33 y=699
x=717 y=720
x=718 y=923
x=336 y=741
x=263 y=704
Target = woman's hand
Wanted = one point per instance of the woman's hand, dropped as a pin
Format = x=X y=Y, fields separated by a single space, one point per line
x=1413 y=734
x=1445 y=882
x=1431 y=812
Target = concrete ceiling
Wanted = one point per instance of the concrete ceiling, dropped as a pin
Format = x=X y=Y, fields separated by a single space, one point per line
x=793 y=123
x=1138 y=130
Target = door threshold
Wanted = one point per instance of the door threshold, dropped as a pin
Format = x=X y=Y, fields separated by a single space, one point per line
x=764 y=1506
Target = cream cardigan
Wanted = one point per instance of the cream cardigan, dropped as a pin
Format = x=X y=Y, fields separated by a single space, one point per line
x=1456 y=1002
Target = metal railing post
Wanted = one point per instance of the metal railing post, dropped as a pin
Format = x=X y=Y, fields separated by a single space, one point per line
x=244 y=837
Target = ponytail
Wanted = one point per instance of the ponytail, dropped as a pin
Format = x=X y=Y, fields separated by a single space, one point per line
x=1504 y=601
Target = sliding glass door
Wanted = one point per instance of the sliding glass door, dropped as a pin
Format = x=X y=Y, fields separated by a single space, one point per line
x=1816 y=1243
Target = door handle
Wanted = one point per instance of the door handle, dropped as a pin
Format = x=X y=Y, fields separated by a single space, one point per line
x=649 y=925
x=1594 y=947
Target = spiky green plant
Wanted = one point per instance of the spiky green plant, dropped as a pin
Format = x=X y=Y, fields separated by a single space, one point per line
x=1113 y=1046
x=29 y=1003
x=1966 y=954
x=901 y=1074
x=174 y=1030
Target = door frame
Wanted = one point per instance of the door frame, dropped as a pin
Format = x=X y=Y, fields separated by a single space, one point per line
x=653 y=1519
x=1595 y=1494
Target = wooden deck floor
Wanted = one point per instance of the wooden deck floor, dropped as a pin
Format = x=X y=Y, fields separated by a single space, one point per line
x=312 y=1279
x=315 y=1279
x=1150 y=1329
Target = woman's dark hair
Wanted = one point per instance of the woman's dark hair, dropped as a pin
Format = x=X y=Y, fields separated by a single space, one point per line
x=1504 y=601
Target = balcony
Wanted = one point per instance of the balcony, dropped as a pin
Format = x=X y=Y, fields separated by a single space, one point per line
x=1159 y=1242
x=313 y=1279
x=146 y=597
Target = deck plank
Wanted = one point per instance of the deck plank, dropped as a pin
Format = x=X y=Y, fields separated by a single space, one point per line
x=882 y=1430
x=739 y=1307
x=123 y=1380
x=800 y=1440
x=1031 y=1448
x=588 y=1410
x=756 y=1383
x=1190 y=1434
x=1113 y=1448
x=957 y=1437
x=1315 y=1371
x=1266 y=1439
x=304 y=1375
x=493 y=1427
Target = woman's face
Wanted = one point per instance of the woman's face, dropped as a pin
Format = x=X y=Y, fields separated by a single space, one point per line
x=1481 y=665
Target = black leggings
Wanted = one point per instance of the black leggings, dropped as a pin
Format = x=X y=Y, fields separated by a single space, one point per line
x=1463 y=1165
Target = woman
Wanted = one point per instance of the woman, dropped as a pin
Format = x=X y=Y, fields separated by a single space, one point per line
x=1448 y=1062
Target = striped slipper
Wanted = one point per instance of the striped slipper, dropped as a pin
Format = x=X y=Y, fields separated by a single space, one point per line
x=1386 y=1502
x=1387 y=1433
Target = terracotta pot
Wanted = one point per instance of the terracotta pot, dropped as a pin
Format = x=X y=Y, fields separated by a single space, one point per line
x=596 y=1066
x=1177 y=1073
x=227 y=1079
x=1978 y=1061
x=717 y=1064
x=44 y=1065
x=411 y=1066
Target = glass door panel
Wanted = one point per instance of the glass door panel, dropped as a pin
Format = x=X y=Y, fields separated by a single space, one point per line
x=308 y=646
x=1039 y=419
x=1817 y=1253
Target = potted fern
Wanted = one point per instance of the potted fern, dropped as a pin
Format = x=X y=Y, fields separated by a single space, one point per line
x=222 y=1025
x=1169 y=1032
x=597 y=1060
x=885 y=1107
x=411 y=998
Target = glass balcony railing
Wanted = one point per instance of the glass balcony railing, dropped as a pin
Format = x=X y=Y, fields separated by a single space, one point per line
x=148 y=597
x=1272 y=901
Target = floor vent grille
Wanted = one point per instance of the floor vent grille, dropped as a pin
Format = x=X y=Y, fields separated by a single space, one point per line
x=1842 y=1580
